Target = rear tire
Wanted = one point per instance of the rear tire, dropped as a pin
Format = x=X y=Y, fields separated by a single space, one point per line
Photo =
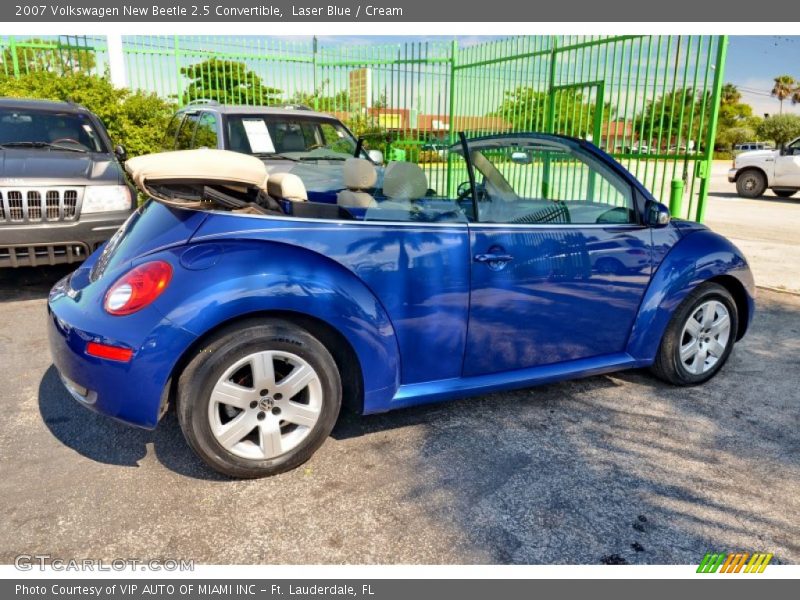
x=699 y=338
x=259 y=398
x=784 y=193
x=751 y=184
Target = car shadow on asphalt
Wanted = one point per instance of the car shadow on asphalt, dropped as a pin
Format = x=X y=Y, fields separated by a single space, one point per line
x=26 y=283
x=107 y=441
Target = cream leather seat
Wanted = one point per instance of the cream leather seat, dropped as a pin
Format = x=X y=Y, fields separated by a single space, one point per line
x=404 y=181
x=288 y=186
x=359 y=175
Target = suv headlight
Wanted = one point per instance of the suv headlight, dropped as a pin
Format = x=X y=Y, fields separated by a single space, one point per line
x=102 y=198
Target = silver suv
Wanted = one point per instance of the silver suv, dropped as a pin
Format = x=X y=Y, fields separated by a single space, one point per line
x=295 y=139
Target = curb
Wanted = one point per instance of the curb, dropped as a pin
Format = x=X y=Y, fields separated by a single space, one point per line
x=778 y=290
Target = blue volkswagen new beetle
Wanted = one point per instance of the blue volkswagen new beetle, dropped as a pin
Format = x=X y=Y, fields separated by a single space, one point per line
x=258 y=313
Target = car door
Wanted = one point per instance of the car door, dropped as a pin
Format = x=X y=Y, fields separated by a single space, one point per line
x=560 y=259
x=787 y=166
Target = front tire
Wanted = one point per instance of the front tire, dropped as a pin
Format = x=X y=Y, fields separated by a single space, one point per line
x=699 y=337
x=751 y=184
x=259 y=398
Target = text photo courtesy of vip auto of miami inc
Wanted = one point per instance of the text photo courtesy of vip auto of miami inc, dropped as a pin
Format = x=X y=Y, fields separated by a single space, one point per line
x=398 y=298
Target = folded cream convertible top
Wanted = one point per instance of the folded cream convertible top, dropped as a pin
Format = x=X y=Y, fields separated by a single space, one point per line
x=202 y=166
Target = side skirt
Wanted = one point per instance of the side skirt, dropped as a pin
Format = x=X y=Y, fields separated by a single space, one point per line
x=414 y=394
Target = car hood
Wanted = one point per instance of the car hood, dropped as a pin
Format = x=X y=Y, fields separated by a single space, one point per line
x=54 y=167
x=755 y=155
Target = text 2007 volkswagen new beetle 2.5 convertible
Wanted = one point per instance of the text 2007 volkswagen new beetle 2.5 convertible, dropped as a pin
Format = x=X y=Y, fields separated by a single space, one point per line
x=258 y=309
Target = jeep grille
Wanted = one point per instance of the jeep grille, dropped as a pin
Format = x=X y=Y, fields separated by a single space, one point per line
x=39 y=205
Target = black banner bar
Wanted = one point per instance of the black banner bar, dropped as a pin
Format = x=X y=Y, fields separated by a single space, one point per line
x=391 y=589
x=198 y=11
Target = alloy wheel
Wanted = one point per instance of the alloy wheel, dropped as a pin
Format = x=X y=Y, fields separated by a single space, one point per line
x=705 y=337
x=265 y=404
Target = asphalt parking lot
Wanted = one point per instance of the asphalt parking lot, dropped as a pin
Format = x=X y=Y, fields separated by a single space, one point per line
x=611 y=469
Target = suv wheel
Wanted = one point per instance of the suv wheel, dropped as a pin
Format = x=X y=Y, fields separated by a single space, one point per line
x=751 y=184
x=259 y=399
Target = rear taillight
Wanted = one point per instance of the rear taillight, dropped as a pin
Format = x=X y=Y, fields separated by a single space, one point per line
x=138 y=288
x=109 y=352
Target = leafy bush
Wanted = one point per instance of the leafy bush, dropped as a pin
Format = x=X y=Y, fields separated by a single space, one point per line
x=780 y=128
x=135 y=119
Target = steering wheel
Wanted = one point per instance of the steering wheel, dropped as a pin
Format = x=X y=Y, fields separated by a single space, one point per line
x=464 y=191
x=70 y=140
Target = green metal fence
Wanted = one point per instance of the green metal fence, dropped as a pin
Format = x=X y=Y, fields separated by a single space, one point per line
x=62 y=54
x=650 y=101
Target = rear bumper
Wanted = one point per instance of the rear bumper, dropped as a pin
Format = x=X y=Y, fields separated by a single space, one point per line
x=132 y=392
x=31 y=245
x=732 y=175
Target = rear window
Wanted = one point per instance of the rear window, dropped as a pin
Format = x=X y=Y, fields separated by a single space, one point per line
x=186 y=132
x=295 y=136
x=172 y=130
x=68 y=130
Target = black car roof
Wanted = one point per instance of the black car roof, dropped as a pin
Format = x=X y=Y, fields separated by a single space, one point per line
x=35 y=104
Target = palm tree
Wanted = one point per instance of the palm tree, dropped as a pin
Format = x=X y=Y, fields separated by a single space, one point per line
x=796 y=95
x=730 y=94
x=783 y=88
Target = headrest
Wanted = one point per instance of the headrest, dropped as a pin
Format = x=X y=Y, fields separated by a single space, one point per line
x=204 y=165
x=359 y=174
x=288 y=186
x=404 y=180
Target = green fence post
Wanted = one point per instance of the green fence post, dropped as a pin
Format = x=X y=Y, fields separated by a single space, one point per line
x=12 y=46
x=178 y=75
x=676 y=198
x=452 y=110
x=719 y=74
x=551 y=113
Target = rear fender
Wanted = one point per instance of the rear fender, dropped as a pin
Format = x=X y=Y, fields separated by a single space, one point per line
x=697 y=257
x=240 y=278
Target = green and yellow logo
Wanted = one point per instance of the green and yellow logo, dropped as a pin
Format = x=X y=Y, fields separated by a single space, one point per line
x=734 y=562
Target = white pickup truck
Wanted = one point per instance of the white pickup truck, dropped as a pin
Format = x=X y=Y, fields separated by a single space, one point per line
x=779 y=170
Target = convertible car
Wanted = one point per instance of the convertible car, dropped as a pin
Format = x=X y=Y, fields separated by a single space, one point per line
x=258 y=314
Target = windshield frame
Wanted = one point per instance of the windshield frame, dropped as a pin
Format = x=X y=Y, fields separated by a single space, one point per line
x=295 y=116
x=103 y=140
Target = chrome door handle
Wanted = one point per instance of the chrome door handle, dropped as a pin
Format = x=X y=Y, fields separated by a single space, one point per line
x=493 y=258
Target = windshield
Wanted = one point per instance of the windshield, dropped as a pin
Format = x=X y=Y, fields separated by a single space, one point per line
x=293 y=138
x=48 y=130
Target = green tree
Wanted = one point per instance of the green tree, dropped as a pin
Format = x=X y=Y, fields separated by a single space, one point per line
x=35 y=55
x=673 y=115
x=735 y=119
x=728 y=138
x=135 y=119
x=318 y=100
x=227 y=82
x=780 y=128
x=784 y=88
x=574 y=112
x=730 y=94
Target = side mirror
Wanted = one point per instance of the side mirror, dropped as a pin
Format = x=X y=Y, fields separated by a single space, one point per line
x=376 y=156
x=657 y=214
x=121 y=153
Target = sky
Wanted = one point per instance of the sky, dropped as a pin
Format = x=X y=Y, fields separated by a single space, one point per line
x=753 y=63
